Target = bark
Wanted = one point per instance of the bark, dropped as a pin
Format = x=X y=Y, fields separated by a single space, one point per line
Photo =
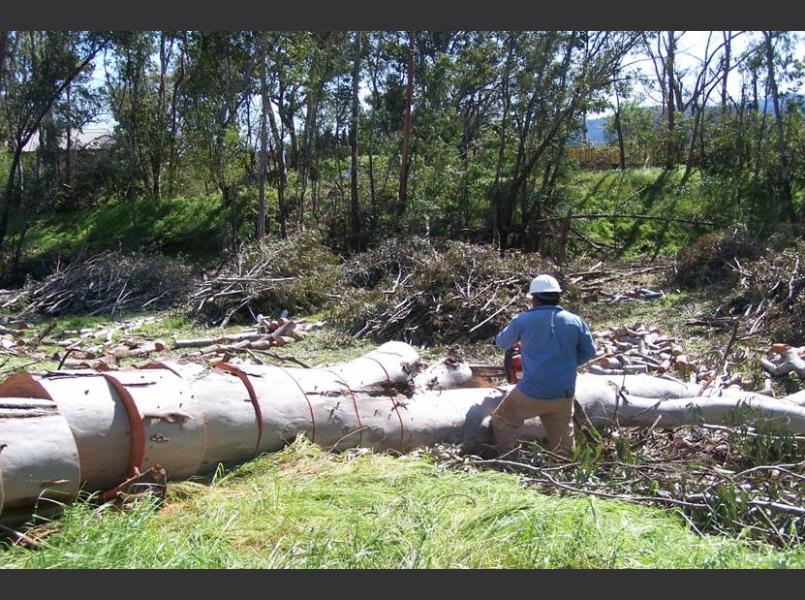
x=409 y=92
x=785 y=169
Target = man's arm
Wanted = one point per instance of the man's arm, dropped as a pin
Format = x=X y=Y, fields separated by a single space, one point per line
x=585 y=349
x=509 y=336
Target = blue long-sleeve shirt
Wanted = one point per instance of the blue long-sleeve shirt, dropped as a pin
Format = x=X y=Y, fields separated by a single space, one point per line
x=554 y=343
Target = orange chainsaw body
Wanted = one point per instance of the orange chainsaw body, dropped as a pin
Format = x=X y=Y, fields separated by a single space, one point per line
x=513 y=363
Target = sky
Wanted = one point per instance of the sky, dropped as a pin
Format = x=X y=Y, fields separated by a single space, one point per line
x=690 y=53
x=690 y=50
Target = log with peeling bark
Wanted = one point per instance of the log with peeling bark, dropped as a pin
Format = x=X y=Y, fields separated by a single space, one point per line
x=67 y=430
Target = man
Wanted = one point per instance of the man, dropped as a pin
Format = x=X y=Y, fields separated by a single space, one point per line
x=554 y=343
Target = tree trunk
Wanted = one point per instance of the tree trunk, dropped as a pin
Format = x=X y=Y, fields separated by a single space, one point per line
x=97 y=429
x=68 y=149
x=725 y=76
x=670 y=160
x=261 y=177
x=494 y=209
x=354 y=222
x=409 y=92
x=785 y=169
x=619 y=130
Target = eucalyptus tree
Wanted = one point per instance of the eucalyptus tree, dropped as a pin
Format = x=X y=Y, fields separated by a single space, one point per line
x=37 y=68
x=216 y=91
x=558 y=74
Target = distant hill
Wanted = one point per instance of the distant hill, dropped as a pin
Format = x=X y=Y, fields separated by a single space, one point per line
x=595 y=130
x=595 y=127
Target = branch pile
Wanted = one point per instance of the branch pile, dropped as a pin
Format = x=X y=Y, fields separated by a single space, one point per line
x=607 y=284
x=427 y=293
x=107 y=283
x=298 y=274
x=769 y=293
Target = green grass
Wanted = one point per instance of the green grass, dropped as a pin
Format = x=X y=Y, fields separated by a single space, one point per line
x=653 y=192
x=306 y=508
x=196 y=226
x=190 y=226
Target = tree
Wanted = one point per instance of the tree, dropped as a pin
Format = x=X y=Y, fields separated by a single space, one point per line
x=353 y=142
x=217 y=90
x=37 y=68
x=769 y=50
x=406 y=134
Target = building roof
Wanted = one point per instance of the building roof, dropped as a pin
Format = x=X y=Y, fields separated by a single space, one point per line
x=92 y=138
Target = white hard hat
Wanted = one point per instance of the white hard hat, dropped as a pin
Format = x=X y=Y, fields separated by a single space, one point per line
x=544 y=284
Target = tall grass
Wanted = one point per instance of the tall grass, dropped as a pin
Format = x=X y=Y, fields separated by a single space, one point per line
x=304 y=508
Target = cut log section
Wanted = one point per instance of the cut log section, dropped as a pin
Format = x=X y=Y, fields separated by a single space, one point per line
x=167 y=425
x=95 y=414
x=231 y=419
x=39 y=463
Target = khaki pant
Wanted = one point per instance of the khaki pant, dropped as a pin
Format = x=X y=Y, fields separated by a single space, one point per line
x=516 y=408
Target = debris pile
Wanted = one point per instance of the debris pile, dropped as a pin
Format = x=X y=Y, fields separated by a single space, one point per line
x=107 y=283
x=769 y=293
x=449 y=293
x=637 y=349
x=712 y=258
x=299 y=274
x=598 y=284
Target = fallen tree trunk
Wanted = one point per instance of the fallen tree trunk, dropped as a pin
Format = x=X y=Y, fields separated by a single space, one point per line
x=61 y=431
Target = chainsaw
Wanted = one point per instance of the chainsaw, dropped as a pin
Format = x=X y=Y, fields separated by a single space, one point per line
x=512 y=368
x=513 y=363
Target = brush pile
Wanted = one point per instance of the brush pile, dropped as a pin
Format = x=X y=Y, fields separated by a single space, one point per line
x=107 y=283
x=436 y=294
x=298 y=274
x=712 y=258
x=615 y=285
x=768 y=294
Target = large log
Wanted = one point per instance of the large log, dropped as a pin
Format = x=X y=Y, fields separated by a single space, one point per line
x=62 y=429
x=95 y=415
